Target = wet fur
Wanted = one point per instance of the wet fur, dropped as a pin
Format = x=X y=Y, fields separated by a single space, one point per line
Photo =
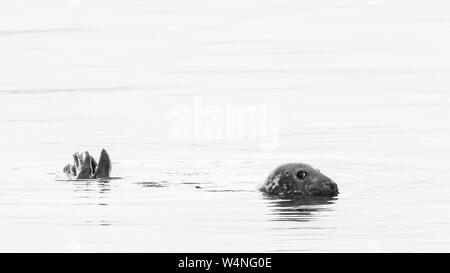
x=283 y=182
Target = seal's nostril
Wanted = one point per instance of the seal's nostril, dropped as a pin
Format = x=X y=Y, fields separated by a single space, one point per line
x=334 y=187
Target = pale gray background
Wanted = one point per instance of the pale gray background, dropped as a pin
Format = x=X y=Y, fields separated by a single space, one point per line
x=363 y=92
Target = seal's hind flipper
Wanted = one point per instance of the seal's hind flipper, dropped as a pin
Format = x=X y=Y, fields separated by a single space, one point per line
x=76 y=160
x=70 y=170
x=67 y=169
x=93 y=165
x=104 y=166
x=86 y=166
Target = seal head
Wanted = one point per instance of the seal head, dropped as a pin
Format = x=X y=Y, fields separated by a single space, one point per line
x=299 y=179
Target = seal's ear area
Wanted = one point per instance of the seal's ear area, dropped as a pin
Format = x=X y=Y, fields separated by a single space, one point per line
x=104 y=166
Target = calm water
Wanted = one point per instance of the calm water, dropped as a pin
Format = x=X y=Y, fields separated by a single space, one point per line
x=361 y=88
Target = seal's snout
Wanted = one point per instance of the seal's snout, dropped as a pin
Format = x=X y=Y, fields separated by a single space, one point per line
x=330 y=187
x=334 y=188
x=323 y=186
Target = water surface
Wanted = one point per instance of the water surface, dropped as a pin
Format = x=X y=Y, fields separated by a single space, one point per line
x=362 y=91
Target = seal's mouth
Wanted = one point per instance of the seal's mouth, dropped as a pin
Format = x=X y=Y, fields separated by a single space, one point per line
x=317 y=193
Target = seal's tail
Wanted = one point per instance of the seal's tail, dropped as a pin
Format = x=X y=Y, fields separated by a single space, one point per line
x=104 y=166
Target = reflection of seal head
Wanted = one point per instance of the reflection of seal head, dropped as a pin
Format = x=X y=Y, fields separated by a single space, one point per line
x=299 y=178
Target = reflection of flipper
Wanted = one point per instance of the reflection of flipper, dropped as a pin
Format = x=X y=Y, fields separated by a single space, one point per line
x=104 y=166
x=85 y=170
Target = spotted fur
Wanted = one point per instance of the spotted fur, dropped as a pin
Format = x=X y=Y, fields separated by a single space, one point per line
x=285 y=180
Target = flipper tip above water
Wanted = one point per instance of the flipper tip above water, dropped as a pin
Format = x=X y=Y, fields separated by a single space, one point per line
x=85 y=171
x=104 y=166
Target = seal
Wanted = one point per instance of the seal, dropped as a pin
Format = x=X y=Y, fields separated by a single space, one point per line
x=298 y=179
x=85 y=166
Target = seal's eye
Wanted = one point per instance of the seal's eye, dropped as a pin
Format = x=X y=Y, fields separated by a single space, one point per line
x=301 y=174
